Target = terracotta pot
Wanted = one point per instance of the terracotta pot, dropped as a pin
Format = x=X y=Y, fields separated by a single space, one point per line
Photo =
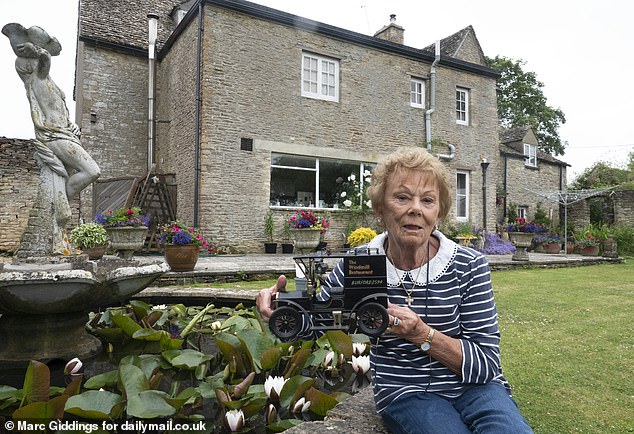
x=552 y=248
x=181 y=257
x=589 y=251
x=127 y=239
x=95 y=253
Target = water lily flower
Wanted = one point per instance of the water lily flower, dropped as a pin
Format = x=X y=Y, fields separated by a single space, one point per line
x=301 y=405
x=361 y=364
x=271 y=414
x=159 y=307
x=216 y=325
x=358 y=348
x=273 y=387
x=328 y=358
x=73 y=366
x=235 y=419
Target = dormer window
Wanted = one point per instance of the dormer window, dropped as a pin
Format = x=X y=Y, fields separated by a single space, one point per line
x=530 y=155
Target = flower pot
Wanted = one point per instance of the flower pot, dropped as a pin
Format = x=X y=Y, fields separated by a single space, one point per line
x=610 y=248
x=306 y=239
x=552 y=248
x=522 y=241
x=270 y=247
x=287 y=248
x=181 y=257
x=127 y=239
x=589 y=251
x=95 y=253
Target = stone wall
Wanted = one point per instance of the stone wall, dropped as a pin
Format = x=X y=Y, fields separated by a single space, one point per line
x=624 y=207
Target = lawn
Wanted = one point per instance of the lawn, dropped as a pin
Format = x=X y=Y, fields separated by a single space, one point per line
x=567 y=345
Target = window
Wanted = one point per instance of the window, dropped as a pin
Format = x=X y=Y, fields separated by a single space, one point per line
x=522 y=212
x=530 y=155
x=300 y=181
x=462 y=106
x=417 y=93
x=462 y=196
x=320 y=77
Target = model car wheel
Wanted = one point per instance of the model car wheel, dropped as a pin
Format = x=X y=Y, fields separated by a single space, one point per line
x=285 y=323
x=372 y=319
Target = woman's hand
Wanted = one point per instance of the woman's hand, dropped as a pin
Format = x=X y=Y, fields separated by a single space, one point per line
x=405 y=323
x=265 y=297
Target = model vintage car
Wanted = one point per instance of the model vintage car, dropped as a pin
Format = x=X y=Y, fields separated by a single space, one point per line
x=360 y=305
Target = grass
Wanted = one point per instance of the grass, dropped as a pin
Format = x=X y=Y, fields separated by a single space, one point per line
x=567 y=345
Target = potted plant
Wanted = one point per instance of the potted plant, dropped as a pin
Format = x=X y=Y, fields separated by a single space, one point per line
x=269 y=229
x=550 y=241
x=466 y=234
x=588 y=240
x=361 y=236
x=307 y=228
x=182 y=245
x=521 y=233
x=126 y=228
x=608 y=243
x=287 y=243
x=90 y=238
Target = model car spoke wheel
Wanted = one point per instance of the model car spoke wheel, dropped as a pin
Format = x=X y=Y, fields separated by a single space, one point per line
x=372 y=319
x=285 y=323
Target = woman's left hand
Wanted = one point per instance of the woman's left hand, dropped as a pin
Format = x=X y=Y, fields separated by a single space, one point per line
x=405 y=323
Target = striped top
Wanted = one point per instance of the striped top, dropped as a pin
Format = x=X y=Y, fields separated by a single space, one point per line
x=459 y=303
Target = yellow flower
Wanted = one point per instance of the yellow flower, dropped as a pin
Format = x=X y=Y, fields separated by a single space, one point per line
x=361 y=236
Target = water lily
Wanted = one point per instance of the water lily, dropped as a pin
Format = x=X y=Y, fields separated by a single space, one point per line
x=328 y=358
x=273 y=387
x=216 y=325
x=361 y=364
x=301 y=405
x=159 y=307
x=271 y=414
x=73 y=366
x=358 y=348
x=235 y=419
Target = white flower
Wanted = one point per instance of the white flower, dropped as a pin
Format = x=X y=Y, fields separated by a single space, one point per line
x=344 y=194
x=301 y=405
x=366 y=172
x=368 y=179
x=216 y=325
x=361 y=364
x=159 y=307
x=73 y=366
x=274 y=384
x=358 y=348
x=368 y=203
x=271 y=414
x=347 y=202
x=328 y=358
x=235 y=419
x=352 y=177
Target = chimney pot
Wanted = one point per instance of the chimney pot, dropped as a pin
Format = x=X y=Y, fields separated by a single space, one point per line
x=392 y=18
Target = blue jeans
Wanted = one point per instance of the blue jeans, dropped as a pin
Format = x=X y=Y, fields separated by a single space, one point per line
x=486 y=408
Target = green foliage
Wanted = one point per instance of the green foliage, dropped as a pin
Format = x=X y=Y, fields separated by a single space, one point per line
x=601 y=175
x=511 y=212
x=269 y=226
x=521 y=102
x=89 y=235
x=624 y=237
x=541 y=216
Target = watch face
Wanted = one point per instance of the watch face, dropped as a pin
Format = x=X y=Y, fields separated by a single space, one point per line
x=425 y=346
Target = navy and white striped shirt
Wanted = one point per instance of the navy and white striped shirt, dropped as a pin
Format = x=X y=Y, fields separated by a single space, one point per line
x=459 y=303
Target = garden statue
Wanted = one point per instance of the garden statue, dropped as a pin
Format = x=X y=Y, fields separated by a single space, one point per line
x=66 y=168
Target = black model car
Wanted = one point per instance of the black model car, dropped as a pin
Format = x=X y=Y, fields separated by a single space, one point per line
x=359 y=305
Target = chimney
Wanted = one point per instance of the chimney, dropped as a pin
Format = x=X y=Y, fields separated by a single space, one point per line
x=392 y=32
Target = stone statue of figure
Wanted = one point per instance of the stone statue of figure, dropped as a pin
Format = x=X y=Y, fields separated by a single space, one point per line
x=57 y=138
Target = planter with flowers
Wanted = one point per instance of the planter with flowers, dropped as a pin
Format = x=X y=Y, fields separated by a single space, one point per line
x=588 y=245
x=126 y=228
x=91 y=239
x=182 y=245
x=307 y=228
x=550 y=242
x=521 y=234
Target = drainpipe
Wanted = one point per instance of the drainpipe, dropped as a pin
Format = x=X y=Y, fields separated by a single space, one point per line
x=432 y=108
x=484 y=164
x=199 y=51
x=152 y=34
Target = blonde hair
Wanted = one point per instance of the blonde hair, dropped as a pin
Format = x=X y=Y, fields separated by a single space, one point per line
x=417 y=159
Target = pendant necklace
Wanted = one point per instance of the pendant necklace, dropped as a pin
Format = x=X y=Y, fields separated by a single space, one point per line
x=409 y=291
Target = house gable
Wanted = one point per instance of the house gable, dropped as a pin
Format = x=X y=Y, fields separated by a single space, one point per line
x=462 y=45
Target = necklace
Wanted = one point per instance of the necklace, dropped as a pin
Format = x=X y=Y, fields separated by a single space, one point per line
x=409 y=291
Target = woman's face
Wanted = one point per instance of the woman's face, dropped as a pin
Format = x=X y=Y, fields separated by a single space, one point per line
x=410 y=207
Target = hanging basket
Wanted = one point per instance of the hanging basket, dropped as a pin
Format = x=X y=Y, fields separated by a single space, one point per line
x=181 y=257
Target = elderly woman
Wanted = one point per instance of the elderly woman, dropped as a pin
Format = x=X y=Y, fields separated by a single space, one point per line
x=437 y=368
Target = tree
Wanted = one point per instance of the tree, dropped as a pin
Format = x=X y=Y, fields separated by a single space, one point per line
x=521 y=102
x=601 y=175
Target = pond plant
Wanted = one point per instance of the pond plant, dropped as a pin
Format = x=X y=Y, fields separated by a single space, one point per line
x=194 y=365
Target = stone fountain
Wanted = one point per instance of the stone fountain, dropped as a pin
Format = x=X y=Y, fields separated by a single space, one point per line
x=47 y=290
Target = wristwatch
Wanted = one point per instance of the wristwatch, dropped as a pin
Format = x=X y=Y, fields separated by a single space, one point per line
x=426 y=345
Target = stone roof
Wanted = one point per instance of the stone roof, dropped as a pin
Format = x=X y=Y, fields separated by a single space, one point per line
x=512 y=142
x=452 y=45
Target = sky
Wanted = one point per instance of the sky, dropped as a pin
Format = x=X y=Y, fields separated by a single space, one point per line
x=581 y=51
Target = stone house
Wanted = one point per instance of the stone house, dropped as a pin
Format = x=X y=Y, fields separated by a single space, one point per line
x=527 y=174
x=257 y=109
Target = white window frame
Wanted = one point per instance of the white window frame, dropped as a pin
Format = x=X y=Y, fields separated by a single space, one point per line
x=522 y=212
x=462 y=106
x=530 y=154
x=417 y=93
x=320 y=77
x=463 y=218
